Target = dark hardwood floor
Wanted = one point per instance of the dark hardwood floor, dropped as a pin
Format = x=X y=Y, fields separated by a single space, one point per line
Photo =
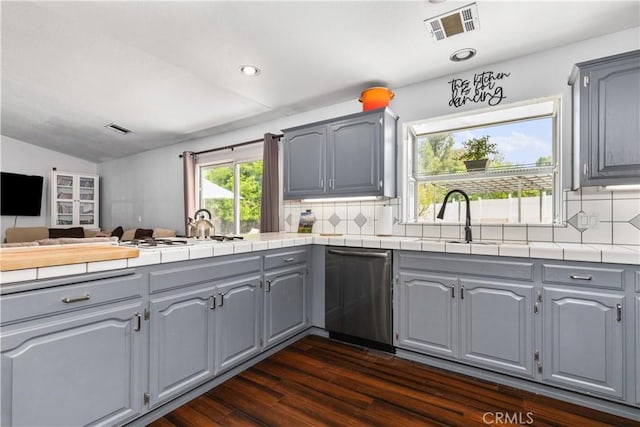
x=317 y=382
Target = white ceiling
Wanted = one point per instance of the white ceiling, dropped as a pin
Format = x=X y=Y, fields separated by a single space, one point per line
x=169 y=70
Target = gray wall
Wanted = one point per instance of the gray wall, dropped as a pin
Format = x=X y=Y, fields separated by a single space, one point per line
x=149 y=185
x=20 y=157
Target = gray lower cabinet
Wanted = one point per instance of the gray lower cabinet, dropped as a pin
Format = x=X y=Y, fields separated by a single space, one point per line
x=637 y=335
x=80 y=368
x=427 y=314
x=181 y=342
x=496 y=325
x=606 y=130
x=237 y=323
x=583 y=341
x=285 y=308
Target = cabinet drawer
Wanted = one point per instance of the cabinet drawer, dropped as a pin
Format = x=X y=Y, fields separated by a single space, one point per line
x=467 y=264
x=189 y=274
x=282 y=259
x=611 y=278
x=49 y=301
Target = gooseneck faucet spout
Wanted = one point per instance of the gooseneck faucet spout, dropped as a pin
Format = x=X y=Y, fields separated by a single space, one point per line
x=467 y=226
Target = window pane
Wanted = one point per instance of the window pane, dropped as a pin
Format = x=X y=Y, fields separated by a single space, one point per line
x=250 y=195
x=217 y=196
x=515 y=187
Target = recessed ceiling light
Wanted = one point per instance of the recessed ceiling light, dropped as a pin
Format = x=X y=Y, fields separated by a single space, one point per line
x=463 y=54
x=249 y=70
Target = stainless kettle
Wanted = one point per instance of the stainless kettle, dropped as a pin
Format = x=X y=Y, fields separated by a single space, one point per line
x=201 y=226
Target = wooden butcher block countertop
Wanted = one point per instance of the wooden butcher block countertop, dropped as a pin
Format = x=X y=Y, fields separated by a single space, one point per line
x=47 y=256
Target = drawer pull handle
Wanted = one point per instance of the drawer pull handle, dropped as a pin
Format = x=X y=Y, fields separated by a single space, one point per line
x=577 y=277
x=288 y=259
x=268 y=286
x=76 y=299
x=619 y=312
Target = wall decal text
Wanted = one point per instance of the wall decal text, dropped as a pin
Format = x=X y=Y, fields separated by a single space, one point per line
x=483 y=88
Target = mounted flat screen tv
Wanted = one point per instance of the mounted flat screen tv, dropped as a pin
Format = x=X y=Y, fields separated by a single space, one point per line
x=21 y=195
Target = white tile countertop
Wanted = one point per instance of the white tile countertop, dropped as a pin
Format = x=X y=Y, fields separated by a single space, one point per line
x=259 y=242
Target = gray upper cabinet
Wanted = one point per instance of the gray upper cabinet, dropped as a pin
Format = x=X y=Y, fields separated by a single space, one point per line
x=583 y=341
x=181 y=343
x=82 y=368
x=606 y=129
x=497 y=325
x=304 y=162
x=427 y=314
x=238 y=314
x=285 y=303
x=353 y=155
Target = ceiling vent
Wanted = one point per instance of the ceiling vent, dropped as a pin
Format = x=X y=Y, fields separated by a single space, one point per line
x=457 y=21
x=117 y=128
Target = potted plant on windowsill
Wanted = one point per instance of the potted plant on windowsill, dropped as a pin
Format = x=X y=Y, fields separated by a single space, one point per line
x=476 y=151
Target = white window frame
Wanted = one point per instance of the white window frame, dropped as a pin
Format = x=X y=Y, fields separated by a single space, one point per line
x=447 y=123
x=233 y=158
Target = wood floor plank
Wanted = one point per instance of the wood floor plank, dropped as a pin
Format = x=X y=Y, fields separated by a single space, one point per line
x=321 y=382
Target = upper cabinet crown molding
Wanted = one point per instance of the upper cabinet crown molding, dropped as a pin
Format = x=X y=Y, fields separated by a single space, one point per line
x=606 y=130
x=347 y=156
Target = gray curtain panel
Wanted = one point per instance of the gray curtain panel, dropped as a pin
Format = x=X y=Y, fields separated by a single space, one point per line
x=269 y=210
x=189 y=170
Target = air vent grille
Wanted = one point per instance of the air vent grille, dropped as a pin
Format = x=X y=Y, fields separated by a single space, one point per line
x=457 y=21
x=117 y=128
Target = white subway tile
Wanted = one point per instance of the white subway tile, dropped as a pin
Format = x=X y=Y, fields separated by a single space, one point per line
x=627 y=194
x=618 y=254
x=545 y=250
x=414 y=230
x=624 y=210
x=484 y=249
x=433 y=245
x=398 y=230
x=599 y=208
x=353 y=242
x=539 y=233
x=200 y=251
x=507 y=249
x=146 y=257
x=370 y=242
x=223 y=249
x=411 y=245
x=514 y=233
x=61 y=270
x=259 y=246
x=450 y=231
x=320 y=240
x=431 y=230
x=457 y=248
x=389 y=243
x=174 y=254
x=625 y=234
x=336 y=241
x=491 y=232
x=601 y=233
x=566 y=234
x=579 y=252
x=352 y=227
x=18 y=275
x=113 y=264
x=593 y=193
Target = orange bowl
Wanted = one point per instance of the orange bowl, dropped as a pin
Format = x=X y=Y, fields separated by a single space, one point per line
x=375 y=97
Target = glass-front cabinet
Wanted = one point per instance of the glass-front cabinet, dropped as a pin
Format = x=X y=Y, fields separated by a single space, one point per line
x=74 y=200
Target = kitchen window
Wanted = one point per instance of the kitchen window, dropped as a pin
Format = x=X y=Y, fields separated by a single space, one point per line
x=231 y=189
x=518 y=185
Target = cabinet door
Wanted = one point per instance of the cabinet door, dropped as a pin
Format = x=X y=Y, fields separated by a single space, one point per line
x=497 y=326
x=428 y=314
x=613 y=133
x=304 y=162
x=582 y=341
x=87 y=214
x=181 y=343
x=238 y=311
x=77 y=370
x=285 y=304
x=74 y=200
x=637 y=350
x=353 y=156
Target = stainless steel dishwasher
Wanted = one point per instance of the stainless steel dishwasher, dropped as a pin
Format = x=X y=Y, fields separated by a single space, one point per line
x=358 y=299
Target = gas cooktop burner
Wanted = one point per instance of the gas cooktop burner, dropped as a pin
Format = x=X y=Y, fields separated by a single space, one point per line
x=150 y=242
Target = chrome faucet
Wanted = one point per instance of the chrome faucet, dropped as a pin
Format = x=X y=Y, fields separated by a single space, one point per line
x=467 y=226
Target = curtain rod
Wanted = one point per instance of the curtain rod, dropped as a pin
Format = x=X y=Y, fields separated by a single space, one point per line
x=231 y=147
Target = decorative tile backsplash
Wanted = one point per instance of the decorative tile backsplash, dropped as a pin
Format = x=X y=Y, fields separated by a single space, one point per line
x=593 y=216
